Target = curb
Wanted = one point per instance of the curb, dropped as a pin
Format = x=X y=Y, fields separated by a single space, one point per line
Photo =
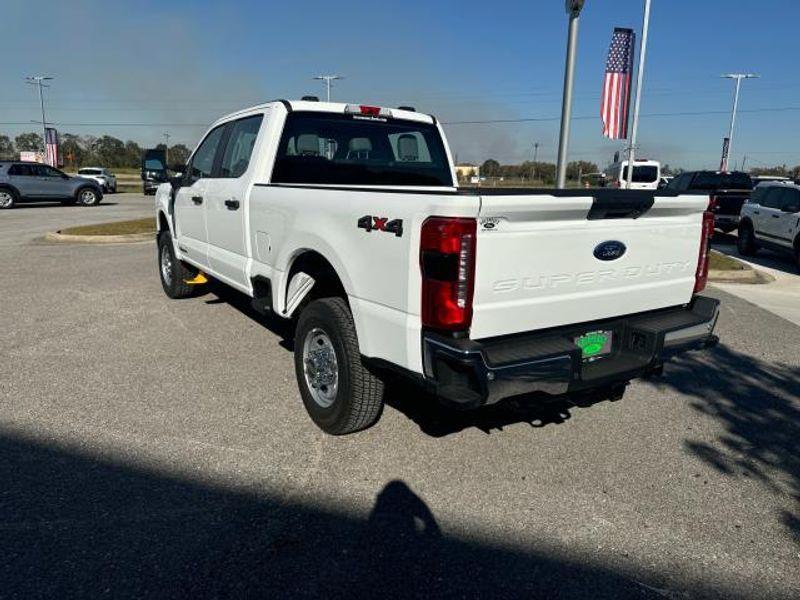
x=129 y=238
x=747 y=276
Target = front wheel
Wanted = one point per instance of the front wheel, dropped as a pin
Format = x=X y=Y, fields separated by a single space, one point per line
x=340 y=394
x=174 y=273
x=746 y=242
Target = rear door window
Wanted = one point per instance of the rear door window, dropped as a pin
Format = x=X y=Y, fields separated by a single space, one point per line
x=337 y=149
x=21 y=171
x=707 y=180
x=240 y=145
x=642 y=174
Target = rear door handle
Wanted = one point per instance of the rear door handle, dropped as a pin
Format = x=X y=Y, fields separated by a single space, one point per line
x=755 y=212
x=232 y=204
x=776 y=216
x=197 y=199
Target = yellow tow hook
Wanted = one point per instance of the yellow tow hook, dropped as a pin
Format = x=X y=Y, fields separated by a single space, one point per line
x=198 y=279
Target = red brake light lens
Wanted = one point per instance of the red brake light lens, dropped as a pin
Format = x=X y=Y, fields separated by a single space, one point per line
x=701 y=276
x=447 y=261
x=372 y=111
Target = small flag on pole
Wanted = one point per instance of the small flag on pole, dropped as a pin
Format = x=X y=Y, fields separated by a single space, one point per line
x=615 y=100
x=51 y=147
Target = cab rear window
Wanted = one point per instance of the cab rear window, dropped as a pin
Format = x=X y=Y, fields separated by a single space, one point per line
x=334 y=149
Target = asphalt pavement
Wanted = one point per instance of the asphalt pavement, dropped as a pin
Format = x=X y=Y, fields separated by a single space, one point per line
x=158 y=448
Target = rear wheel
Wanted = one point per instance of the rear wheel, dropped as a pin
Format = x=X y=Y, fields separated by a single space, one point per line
x=746 y=243
x=7 y=198
x=173 y=272
x=88 y=196
x=340 y=394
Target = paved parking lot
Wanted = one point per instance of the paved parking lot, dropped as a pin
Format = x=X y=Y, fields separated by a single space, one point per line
x=159 y=448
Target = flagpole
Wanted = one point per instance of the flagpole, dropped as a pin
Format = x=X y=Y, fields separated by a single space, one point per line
x=639 y=78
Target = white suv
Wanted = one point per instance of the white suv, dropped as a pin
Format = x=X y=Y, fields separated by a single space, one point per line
x=104 y=178
x=771 y=219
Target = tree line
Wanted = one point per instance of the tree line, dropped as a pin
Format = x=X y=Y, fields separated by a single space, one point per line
x=546 y=172
x=87 y=150
x=540 y=171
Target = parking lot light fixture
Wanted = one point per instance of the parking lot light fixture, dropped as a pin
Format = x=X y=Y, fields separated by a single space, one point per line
x=738 y=77
x=574 y=8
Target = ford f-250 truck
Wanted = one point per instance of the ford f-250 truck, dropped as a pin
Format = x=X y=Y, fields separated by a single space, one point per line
x=348 y=219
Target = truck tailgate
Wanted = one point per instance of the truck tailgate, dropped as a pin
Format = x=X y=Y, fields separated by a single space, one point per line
x=536 y=266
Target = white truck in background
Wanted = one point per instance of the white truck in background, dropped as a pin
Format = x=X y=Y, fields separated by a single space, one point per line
x=348 y=220
x=646 y=174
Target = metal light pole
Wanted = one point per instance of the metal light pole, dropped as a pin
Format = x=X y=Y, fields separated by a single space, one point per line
x=738 y=77
x=638 y=101
x=535 y=157
x=328 y=79
x=574 y=8
x=166 y=137
x=38 y=80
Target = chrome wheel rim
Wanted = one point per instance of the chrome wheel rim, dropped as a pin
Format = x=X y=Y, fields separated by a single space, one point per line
x=88 y=197
x=6 y=199
x=166 y=266
x=320 y=367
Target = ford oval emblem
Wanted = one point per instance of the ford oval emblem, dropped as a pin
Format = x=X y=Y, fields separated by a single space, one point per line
x=610 y=250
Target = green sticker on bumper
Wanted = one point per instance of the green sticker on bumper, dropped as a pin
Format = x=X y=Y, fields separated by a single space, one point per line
x=594 y=344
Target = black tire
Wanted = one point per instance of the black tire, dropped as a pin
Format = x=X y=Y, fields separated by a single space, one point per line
x=797 y=255
x=357 y=400
x=175 y=286
x=8 y=198
x=746 y=242
x=88 y=196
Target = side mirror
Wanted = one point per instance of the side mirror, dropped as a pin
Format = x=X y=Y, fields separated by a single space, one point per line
x=177 y=181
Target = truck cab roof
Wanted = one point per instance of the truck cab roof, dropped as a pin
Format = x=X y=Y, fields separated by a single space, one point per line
x=332 y=107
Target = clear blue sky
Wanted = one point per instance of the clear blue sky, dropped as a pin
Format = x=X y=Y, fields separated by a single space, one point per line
x=174 y=66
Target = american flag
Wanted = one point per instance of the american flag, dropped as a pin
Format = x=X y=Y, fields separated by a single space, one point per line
x=616 y=97
x=51 y=147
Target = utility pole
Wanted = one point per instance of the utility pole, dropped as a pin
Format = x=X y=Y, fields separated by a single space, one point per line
x=738 y=77
x=574 y=8
x=38 y=80
x=328 y=79
x=637 y=103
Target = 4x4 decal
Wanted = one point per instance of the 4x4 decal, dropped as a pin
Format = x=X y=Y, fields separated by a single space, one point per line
x=371 y=223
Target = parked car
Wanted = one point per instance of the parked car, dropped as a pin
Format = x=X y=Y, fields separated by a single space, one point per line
x=646 y=174
x=348 y=220
x=35 y=182
x=727 y=192
x=764 y=178
x=105 y=178
x=154 y=170
x=771 y=219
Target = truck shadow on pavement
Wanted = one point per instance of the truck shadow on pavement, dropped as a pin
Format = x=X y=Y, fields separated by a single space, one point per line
x=758 y=405
x=438 y=420
x=83 y=524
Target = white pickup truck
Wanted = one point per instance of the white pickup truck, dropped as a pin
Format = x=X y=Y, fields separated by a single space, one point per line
x=348 y=219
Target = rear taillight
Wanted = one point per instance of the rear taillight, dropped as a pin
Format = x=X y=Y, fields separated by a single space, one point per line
x=701 y=276
x=713 y=203
x=447 y=261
